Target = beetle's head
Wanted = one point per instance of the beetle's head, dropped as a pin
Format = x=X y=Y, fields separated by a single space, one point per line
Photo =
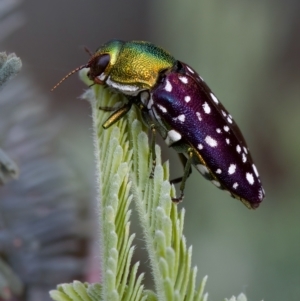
x=99 y=64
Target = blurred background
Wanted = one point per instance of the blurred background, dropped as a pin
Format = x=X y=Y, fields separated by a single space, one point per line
x=247 y=52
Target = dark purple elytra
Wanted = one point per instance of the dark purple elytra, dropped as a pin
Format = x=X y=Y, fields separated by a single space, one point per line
x=188 y=115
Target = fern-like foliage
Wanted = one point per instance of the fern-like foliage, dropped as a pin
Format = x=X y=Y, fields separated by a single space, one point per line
x=114 y=158
x=124 y=165
x=162 y=223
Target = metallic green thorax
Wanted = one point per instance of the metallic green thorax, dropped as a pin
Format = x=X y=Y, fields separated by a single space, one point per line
x=135 y=63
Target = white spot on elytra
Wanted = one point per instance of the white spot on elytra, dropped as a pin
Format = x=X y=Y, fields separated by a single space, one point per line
x=216 y=183
x=255 y=170
x=238 y=149
x=229 y=119
x=245 y=149
x=172 y=137
x=224 y=113
x=199 y=116
x=226 y=128
x=210 y=141
x=200 y=146
x=231 y=169
x=249 y=177
x=162 y=108
x=202 y=168
x=181 y=118
x=219 y=131
x=227 y=140
x=168 y=86
x=206 y=108
x=191 y=70
x=244 y=158
x=235 y=185
x=214 y=98
x=187 y=98
x=183 y=79
x=218 y=171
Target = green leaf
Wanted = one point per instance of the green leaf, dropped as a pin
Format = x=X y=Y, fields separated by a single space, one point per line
x=75 y=291
x=114 y=160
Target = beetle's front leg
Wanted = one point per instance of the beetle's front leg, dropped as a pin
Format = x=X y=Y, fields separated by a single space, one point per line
x=117 y=115
x=111 y=109
x=153 y=136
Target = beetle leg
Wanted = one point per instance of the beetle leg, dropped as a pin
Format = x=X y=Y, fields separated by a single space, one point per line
x=183 y=160
x=117 y=115
x=187 y=172
x=110 y=109
x=107 y=109
x=153 y=131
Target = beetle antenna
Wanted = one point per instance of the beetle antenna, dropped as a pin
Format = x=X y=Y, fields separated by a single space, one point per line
x=69 y=74
x=88 y=51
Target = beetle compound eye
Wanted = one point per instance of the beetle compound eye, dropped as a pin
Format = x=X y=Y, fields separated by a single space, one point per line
x=98 y=67
x=103 y=62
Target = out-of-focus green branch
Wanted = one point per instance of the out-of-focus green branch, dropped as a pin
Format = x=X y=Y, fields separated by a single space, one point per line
x=10 y=66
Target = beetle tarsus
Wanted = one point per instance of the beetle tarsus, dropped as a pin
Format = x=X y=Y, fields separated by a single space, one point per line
x=178 y=200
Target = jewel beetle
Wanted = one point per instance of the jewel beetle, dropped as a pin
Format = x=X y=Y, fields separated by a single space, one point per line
x=176 y=102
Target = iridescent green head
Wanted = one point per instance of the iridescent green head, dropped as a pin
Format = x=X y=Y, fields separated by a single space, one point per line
x=127 y=67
